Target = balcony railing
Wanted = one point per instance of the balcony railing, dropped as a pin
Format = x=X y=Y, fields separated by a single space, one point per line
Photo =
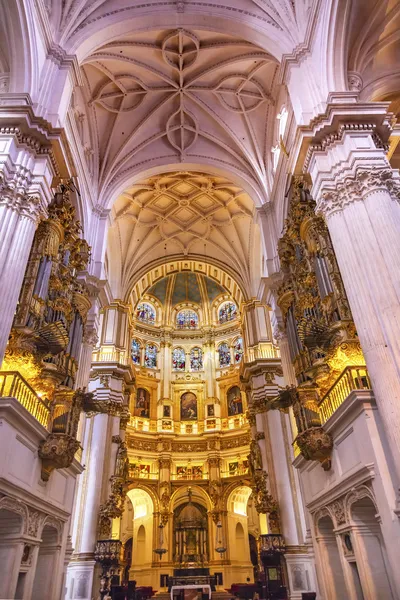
x=352 y=378
x=188 y=476
x=234 y=472
x=13 y=385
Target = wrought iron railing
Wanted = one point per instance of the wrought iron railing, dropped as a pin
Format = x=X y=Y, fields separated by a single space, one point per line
x=352 y=378
x=13 y=385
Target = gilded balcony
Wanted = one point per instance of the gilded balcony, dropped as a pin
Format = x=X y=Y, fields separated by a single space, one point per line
x=13 y=385
x=352 y=378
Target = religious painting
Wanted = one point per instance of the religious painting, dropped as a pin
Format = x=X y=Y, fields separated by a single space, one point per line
x=142 y=404
x=224 y=354
x=245 y=465
x=166 y=411
x=235 y=403
x=187 y=319
x=197 y=472
x=227 y=312
x=135 y=352
x=233 y=468
x=188 y=406
x=238 y=350
x=142 y=471
x=178 y=359
x=210 y=410
x=196 y=359
x=146 y=313
x=211 y=424
x=181 y=472
x=150 y=356
x=166 y=425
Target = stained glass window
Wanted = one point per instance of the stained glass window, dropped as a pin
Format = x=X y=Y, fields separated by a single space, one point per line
x=196 y=359
x=187 y=319
x=238 y=350
x=146 y=313
x=150 y=357
x=135 y=352
x=178 y=359
x=227 y=312
x=224 y=355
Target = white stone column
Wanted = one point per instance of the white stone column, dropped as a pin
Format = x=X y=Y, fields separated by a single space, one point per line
x=19 y=216
x=358 y=193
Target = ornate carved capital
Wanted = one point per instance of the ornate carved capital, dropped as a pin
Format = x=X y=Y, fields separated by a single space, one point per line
x=316 y=444
x=355 y=188
x=57 y=451
x=164 y=463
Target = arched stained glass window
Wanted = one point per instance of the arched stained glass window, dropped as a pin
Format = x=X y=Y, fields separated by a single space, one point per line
x=238 y=350
x=227 y=312
x=196 y=359
x=178 y=359
x=150 y=356
x=187 y=319
x=146 y=313
x=224 y=355
x=135 y=352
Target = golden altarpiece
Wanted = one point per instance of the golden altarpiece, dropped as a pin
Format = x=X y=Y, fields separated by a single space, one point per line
x=193 y=483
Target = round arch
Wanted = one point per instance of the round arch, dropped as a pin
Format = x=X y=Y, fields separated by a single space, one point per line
x=265 y=32
x=142 y=491
x=148 y=276
x=199 y=496
x=238 y=499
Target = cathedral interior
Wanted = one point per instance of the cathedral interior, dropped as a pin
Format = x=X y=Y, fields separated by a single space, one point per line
x=200 y=307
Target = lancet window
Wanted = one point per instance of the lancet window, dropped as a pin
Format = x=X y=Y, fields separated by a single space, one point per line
x=178 y=359
x=150 y=356
x=196 y=359
x=227 y=312
x=238 y=350
x=187 y=319
x=146 y=313
x=135 y=351
x=224 y=354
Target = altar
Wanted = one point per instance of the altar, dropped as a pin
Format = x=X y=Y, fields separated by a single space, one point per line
x=191 y=591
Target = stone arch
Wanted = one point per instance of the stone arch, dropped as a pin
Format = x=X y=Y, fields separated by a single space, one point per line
x=20 y=32
x=151 y=493
x=198 y=495
x=55 y=524
x=14 y=505
x=355 y=495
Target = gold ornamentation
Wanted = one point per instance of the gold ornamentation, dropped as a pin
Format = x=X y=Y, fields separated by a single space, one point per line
x=57 y=451
x=316 y=444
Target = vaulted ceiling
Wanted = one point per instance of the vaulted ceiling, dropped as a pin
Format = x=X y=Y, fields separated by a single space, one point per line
x=172 y=97
x=181 y=214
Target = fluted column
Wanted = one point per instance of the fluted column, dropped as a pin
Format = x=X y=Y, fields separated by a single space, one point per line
x=19 y=216
x=358 y=194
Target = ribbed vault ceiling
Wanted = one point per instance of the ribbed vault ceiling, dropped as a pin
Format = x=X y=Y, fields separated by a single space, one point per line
x=181 y=213
x=177 y=96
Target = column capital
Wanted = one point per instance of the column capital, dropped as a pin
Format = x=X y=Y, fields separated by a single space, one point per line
x=32 y=206
x=355 y=187
x=343 y=144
